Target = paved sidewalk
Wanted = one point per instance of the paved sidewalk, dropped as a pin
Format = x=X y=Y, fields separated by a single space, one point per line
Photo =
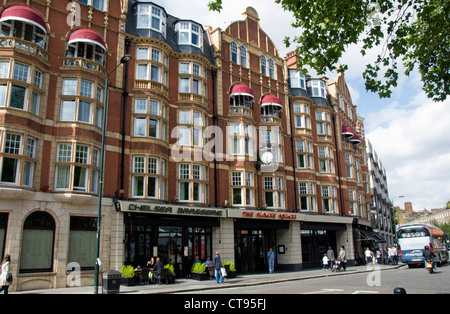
x=190 y=285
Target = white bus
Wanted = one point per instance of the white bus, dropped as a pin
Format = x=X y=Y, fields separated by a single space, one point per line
x=412 y=239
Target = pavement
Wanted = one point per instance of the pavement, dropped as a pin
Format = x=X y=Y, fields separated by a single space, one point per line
x=191 y=285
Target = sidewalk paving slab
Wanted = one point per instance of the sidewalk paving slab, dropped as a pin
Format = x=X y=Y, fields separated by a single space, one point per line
x=190 y=285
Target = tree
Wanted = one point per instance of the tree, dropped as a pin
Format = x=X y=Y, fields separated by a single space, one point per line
x=414 y=33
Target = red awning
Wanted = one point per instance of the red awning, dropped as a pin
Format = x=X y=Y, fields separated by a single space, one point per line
x=88 y=36
x=241 y=90
x=271 y=100
x=24 y=14
x=355 y=139
x=347 y=131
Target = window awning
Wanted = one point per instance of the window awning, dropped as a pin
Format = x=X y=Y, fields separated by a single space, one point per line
x=24 y=14
x=355 y=139
x=371 y=236
x=271 y=100
x=347 y=131
x=88 y=36
x=241 y=90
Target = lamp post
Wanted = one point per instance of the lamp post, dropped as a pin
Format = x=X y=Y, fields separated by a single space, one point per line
x=126 y=58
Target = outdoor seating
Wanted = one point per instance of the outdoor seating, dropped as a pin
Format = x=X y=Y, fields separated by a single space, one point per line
x=163 y=275
x=144 y=276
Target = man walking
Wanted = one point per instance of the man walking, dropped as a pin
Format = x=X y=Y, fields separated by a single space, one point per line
x=271 y=259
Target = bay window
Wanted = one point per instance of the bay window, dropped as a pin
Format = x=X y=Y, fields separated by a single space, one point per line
x=148 y=177
x=273 y=192
x=192 y=183
x=149 y=118
x=77 y=168
x=79 y=103
x=191 y=124
x=329 y=199
x=17 y=159
x=23 y=91
x=307 y=196
x=242 y=188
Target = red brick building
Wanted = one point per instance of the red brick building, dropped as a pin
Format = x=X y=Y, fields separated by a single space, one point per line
x=213 y=142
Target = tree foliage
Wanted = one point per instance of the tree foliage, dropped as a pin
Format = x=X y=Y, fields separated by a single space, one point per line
x=407 y=33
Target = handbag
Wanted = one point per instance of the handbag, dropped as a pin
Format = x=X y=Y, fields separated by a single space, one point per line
x=9 y=277
x=223 y=271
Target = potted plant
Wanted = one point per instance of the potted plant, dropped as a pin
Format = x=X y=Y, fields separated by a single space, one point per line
x=198 y=271
x=231 y=270
x=128 y=278
x=171 y=273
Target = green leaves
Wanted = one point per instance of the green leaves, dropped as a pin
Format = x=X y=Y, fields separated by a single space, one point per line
x=412 y=32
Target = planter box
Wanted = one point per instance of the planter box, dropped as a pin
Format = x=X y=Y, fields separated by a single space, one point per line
x=231 y=274
x=197 y=276
x=129 y=282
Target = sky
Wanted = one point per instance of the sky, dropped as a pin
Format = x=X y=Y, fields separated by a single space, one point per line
x=409 y=132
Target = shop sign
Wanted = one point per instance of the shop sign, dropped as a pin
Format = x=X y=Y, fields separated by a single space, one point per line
x=169 y=209
x=268 y=215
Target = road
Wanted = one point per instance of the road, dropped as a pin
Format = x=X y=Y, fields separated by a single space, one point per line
x=414 y=280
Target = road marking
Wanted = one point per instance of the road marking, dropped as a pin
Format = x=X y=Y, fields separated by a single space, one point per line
x=365 y=292
x=324 y=291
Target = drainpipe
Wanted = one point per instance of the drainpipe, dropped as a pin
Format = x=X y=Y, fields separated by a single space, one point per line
x=124 y=119
x=338 y=166
x=215 y=118
x=293 y=153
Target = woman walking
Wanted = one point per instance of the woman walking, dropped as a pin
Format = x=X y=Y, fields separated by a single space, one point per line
x=218 y=266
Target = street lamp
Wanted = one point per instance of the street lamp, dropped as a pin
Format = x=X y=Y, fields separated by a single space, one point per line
x=126 y=58
x=395 y=214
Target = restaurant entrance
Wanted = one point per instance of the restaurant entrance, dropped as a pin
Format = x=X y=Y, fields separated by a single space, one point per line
x=253 y=238
x=251 y=249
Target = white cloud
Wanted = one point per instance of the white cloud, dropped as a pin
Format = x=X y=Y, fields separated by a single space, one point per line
x=413 y=144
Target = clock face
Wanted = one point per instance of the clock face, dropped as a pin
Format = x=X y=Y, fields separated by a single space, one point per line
x=267 y=157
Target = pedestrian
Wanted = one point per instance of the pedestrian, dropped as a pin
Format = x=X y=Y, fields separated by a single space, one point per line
x=325 y=262
x=5 y=270
x=378 y=252
x=343 y=258
x=369 y=256
x=331 y=257
x=271 y=259
x=395 y=254
x=218 y=266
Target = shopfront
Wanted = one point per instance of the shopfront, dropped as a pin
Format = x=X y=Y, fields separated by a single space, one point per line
x=255 y=232
x=316 y=239
x=174 y=233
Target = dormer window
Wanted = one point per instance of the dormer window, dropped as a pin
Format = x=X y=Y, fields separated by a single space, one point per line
x=297 y=79
x=190 y=34
x=151 y=17
x=317 y=88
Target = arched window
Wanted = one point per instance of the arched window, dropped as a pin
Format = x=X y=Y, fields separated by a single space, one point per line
x=37 y=243
x=244 y=56
x=264 y=64
x=234 y=52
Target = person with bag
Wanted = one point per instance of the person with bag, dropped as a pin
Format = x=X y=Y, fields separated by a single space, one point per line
x=5 y=277
x=218 y=266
